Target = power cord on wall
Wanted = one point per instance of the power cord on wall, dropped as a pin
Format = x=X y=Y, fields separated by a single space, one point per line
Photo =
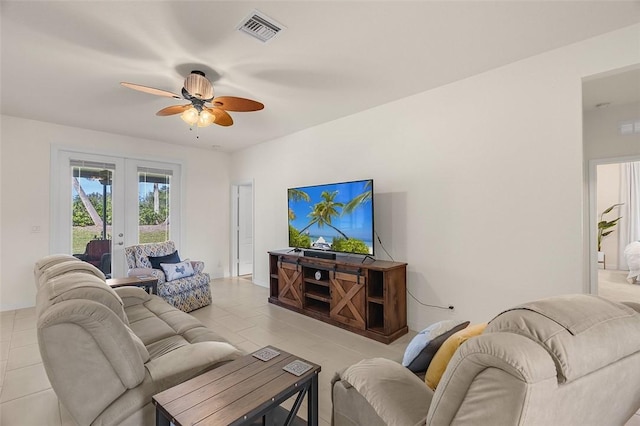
x=450 y=307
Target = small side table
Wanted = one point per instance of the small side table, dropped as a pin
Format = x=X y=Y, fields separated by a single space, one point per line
x=148 y=283
x=239 y=393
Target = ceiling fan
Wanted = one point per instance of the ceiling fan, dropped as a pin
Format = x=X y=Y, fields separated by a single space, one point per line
x=198 y=90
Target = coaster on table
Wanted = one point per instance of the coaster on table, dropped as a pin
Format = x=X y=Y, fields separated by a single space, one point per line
x=265 y=354
x=297 y=367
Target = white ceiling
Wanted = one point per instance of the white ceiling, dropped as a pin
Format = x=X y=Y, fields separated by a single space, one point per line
x=62 y=61
x=612 y=89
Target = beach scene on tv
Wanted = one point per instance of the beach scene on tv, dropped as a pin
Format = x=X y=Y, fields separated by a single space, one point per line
x=336 y=217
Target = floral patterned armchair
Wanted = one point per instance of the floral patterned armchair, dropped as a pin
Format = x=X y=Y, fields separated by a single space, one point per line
x=186 y=294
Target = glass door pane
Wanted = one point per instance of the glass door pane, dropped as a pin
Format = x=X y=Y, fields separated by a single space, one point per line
x=92 y=213
x=154 y=195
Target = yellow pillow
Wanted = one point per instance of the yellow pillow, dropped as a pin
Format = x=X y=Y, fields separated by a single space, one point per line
x=443 y=356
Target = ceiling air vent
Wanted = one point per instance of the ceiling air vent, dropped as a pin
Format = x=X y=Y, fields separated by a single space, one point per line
x=260 y=26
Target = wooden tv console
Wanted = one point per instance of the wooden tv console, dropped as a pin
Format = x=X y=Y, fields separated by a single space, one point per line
x=366 y=297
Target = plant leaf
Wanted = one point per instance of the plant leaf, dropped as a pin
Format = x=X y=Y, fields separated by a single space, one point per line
x=611 y=208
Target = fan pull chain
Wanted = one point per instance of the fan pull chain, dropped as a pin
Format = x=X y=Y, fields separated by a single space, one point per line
x=191 y=129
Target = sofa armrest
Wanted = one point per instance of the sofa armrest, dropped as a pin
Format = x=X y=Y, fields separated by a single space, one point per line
x=198 y=266
x=395 y=394
x=131 y=295
x=189 y=361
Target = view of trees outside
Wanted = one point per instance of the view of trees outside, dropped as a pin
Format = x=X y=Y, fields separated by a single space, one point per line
x=153 y=210
x=89 y=213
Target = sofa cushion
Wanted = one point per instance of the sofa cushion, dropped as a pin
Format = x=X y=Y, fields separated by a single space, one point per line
x=164 y=346
x=168 y=258
x=445 y=353
x=568 y=334
x=155 y=320
x=425 y=344
x=202 y=334
x=152 y=329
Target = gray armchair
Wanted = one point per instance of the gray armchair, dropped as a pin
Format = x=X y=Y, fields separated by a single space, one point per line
x=187 y=293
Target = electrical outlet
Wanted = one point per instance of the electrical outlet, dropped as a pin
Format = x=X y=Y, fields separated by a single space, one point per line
x=35 y=229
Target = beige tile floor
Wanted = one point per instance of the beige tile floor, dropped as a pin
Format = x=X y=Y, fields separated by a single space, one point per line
x=240 y=313
x=613 y=284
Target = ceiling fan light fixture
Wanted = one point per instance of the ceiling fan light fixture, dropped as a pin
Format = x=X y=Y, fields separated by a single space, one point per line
x=206 y=118
x=198 y=85
x=190 y=116
x=203 y=109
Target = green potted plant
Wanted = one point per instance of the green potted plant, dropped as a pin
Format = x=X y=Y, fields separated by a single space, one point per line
x=605 y=228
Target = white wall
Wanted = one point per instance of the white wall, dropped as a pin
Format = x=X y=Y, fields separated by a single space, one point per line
x=24 y=195
x=478 y=184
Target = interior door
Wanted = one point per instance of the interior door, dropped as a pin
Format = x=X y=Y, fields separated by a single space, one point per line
x=245 y=230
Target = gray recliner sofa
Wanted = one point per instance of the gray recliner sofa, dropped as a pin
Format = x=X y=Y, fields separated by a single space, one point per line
x=107 y=352
x=569 y=360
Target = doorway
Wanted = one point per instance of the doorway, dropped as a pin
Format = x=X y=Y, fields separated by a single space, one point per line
x=614 y=208
x=101 y=204
x=242 y=230
x=611 y=137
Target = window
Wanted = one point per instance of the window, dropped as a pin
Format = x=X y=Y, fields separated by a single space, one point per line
x=154 y=193
x=91 y=202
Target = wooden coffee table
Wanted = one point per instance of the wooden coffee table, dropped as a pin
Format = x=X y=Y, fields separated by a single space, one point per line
x=150 y=283
x=240 y=392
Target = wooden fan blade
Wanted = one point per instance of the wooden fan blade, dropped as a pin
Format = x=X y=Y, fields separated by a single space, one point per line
x=221 y=117
x=172 y=110
x=151 y=90
x=231 y=103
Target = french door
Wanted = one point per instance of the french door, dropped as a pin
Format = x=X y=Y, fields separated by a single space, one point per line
x=104 y=203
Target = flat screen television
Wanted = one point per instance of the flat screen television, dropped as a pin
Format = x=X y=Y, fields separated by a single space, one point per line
x=332 y=217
